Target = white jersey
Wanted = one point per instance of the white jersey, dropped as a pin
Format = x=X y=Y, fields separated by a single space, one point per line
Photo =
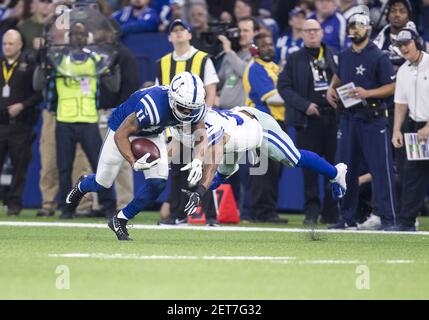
x=245 y=133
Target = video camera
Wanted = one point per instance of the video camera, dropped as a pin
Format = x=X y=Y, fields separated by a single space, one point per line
x=211 y=43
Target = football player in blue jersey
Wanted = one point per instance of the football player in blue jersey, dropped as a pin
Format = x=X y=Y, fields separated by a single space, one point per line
x=231 y=133
x=147 y=113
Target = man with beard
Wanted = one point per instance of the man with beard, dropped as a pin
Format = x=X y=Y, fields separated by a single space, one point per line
x=363 y=135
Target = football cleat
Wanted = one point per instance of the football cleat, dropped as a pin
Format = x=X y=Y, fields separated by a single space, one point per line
x=119 y=227
x=338 y=185
x=74 y=196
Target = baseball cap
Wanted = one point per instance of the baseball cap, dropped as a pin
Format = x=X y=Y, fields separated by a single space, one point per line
x=179 y=22
x=296 y=11
x=359 y=16
x=407 y=34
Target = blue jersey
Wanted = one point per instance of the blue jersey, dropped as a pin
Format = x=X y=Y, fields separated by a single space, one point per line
x=334 y=31
x=152 y=111
x=369 y=69
x=147 y=21
x=285 y=46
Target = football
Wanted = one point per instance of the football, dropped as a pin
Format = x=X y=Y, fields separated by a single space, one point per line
x=141 y=146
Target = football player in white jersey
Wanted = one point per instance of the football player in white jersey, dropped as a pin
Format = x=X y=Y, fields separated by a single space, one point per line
x=232 y=132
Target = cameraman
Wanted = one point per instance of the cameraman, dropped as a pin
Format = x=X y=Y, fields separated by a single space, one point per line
x=233 y=64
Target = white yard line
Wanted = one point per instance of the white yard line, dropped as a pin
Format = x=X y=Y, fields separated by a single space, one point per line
x=154 y=257
x=199 y=228
x=274 y=259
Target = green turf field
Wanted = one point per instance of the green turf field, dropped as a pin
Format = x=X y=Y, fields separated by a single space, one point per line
x=201 y=264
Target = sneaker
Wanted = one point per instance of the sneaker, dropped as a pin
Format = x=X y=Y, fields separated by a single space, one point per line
x=309 y=221
x=372 y=223
x=66 y=215
x=338 y=185
x=212 y=222
x=119 y=227
x=343 y=226
x=273 y=219
x=401 y=228
x=45 y=213
x=13 y=210
x=74 y=196
x=172 y=222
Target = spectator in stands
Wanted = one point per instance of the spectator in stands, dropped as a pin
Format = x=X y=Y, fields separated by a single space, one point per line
x=221 y=9
x=260 y=81
x=137 y=17
x=234 y=64
x=332 y=22
x=18 y=115
x=303 y=85
x=199 y=23
x=248 y=8
x=363 y=129
x=12 y=13
x=281 y=9
x=198 y=19
x=292 y=40
x=411 y=107
x=186 y=58
x=174 y=10
x=32 y=28
x=345 y=7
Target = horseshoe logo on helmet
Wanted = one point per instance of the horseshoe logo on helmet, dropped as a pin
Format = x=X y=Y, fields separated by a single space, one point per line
x=175 y=85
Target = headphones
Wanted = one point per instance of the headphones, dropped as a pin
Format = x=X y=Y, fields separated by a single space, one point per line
x=254 y=50
x=420 y=43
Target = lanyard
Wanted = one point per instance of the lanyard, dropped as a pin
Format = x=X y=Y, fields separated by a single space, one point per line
x=7 y=74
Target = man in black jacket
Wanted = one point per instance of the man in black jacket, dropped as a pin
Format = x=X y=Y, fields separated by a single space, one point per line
x=303 y=84
x=18 y=114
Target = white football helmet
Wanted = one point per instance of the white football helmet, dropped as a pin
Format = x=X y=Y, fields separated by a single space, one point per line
x=186 y=97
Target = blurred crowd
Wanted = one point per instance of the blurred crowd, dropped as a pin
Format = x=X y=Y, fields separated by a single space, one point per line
x=249 y=44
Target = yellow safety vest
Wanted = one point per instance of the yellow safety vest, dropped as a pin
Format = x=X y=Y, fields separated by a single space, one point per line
x=168 y=67
x=77 y=95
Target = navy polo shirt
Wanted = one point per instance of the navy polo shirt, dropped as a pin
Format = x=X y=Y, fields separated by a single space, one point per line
x=369 y=69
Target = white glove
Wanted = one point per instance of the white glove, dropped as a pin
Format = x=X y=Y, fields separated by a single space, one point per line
x=142 y=164
x=195 y=171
